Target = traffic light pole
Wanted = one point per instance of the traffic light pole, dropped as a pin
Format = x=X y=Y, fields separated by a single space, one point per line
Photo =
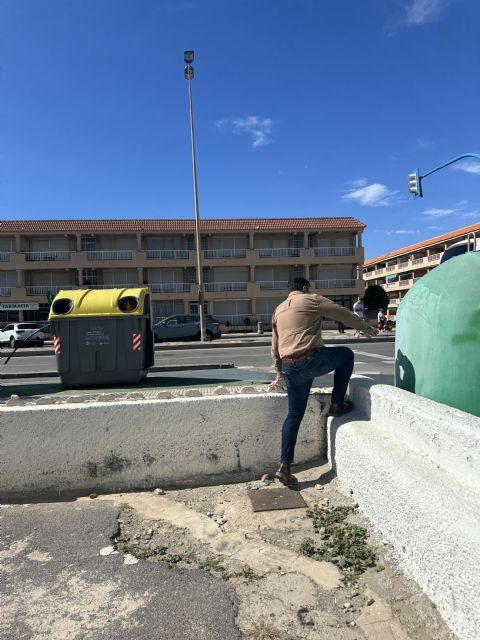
x=442 y=166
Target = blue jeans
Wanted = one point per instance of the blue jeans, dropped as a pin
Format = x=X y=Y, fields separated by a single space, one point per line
x=299 y=378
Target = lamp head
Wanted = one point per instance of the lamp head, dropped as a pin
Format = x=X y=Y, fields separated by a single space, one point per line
x=188 y=57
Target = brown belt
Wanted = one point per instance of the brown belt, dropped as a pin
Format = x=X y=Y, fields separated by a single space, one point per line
x=300 y=356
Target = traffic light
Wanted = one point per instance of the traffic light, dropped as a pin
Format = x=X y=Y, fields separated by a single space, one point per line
x=415 y=184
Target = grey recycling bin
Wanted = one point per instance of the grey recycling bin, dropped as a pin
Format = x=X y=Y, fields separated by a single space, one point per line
x=102 y=337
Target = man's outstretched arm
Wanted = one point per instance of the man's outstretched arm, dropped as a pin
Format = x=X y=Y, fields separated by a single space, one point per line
x=335 y=311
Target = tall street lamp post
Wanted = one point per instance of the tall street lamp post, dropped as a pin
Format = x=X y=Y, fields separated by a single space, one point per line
x=188 y=58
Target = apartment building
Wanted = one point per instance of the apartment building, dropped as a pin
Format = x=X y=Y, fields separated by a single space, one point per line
x=398 y=270
x=246 y=263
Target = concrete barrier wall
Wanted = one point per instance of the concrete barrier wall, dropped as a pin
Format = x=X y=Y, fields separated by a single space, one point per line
x=413 y=465
x=55 y=450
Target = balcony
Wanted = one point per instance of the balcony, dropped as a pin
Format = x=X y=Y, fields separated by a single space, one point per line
x=47 y=256
x=218 y=254
x=170 y=287
x=273 y=285
x=43 y=290
x=418 y=261
x=391 y=267
x=5 y=256
x=226 y=286
x=5 y=291
x=434 y=256
x=379 y=272
x=112 y=286
x=405 y=283
x=345 y=283
x=392 y=285
x=334 y=251
x=167 y=254
x=110 y=255
x=403 y=265
x=279 y=253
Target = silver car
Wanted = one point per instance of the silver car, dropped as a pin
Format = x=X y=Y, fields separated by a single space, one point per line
x=185 y=327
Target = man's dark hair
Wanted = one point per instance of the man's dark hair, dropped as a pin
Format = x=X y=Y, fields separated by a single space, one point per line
x=297 y=284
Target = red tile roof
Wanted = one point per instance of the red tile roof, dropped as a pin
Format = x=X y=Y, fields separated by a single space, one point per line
x=233 y=224
x=451 y=235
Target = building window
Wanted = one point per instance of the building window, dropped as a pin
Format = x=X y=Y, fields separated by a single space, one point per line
x=344 y=301
x=88 y=243
x=90 y=277
x=298 y=241
x=299 y=271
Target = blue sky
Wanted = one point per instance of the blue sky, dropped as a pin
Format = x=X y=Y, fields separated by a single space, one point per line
x=302 y=107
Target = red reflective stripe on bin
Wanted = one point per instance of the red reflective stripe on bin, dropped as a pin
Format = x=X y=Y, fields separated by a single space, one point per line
x=136 y=341
x=56 y=345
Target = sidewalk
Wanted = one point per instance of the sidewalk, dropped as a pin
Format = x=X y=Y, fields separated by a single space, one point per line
x=199 y=563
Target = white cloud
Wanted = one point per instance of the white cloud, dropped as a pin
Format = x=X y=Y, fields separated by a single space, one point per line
x=259 y=129
x=468 y=167
x=434 y=228
x=439 y=213
x=359 y=182
x=418 y=12
x=371 y=195
x=402 y=232
x=472 y=214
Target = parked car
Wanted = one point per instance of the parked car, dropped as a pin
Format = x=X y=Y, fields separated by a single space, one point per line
x=183 y=327
x=15 y=333
x=459 y=248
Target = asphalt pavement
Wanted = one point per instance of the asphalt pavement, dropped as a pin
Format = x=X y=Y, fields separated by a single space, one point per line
x=57 y=585
x=251 y=365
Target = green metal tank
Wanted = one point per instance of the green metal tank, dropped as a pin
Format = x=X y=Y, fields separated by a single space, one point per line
x=437 y=345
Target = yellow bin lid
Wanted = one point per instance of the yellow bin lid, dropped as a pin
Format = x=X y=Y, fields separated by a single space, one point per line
x=84 y=303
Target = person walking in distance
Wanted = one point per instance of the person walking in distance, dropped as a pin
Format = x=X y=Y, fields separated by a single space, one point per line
x=358 y=310
x=299 y=356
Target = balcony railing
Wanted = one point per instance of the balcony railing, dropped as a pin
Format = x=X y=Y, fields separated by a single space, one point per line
x=402 y=265
x=5 y=291
x=47 y=256
x=276 y=284
x=344 y=283
x=391 y=267
x=266 y=318
x=379 y=272
x=226 y=286
x=224 y=253
x=170 y=287
x=404 y=283
x=113 y=286
x=5 y=256
x=167 y=254
x=110 y=255
x=334 y=251
x=418 y=261
x=279 y=253
x=434 y=256
x=43 y=290
x=392 y=285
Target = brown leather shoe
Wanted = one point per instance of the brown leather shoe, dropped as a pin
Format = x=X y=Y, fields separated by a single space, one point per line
x=339 y=409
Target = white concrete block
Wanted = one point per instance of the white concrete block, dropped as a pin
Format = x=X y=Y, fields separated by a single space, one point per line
x=393 y=452
x=60 y=449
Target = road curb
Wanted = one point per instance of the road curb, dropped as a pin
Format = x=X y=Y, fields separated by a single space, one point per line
x=154 y=369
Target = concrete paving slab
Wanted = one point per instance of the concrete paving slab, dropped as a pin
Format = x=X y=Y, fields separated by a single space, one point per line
x=56 y=585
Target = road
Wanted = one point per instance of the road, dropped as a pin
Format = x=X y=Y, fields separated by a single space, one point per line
x=374 y=359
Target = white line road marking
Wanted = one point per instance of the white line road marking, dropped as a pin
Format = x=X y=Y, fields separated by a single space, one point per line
x=375 y=355
x=370 y=373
